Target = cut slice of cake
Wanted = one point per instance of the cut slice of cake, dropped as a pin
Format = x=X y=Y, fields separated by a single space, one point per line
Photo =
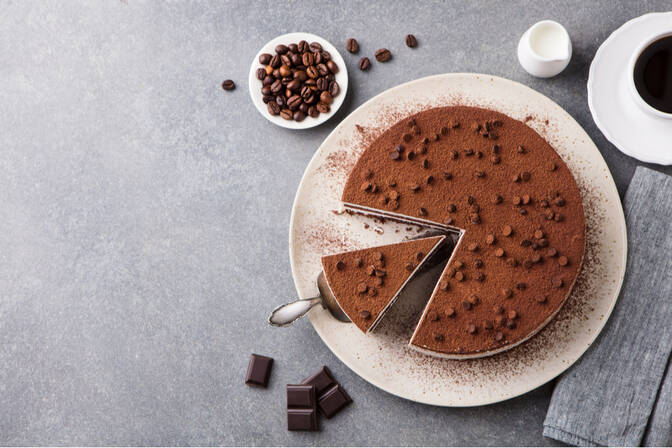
x=366 y=282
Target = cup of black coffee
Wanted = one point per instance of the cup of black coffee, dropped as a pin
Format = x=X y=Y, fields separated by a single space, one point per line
x=650 y=75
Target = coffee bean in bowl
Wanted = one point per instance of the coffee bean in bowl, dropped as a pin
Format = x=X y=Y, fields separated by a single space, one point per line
x=298 y=80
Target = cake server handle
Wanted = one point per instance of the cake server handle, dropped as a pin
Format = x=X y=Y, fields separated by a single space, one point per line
x=287 y=314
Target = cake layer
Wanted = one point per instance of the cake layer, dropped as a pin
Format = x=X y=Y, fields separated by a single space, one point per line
x=366 y=282
x=517 y=205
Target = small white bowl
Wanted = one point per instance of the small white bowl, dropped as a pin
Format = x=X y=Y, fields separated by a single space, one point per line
x=309 y=122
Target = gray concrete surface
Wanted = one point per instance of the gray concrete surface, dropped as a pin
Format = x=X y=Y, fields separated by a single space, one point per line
x=144 y=218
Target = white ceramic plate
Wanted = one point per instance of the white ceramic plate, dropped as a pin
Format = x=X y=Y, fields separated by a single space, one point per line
x=255 y=84
x=633 y=131
x=318 y=227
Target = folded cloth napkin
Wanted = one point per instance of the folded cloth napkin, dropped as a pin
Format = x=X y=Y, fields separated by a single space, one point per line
x=623 y=385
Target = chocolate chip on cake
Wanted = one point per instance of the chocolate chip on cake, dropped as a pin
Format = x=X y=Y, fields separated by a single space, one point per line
x=472 y=247
x=362 y=288
x=438 y=337
x=358 y=262
x=510 y=324
x=340 y=265
x=451 y=208
x=410 y=266
x=496 y=199
x=507 y=293
x=495 y=159
x=563 y=261
x=512 y=262
x=507 y=230
x=525 y=176
x=450 y=311
x=499 y=336
x=558 y=282
x=512 y=314
x=527 y=264
x=471 y=329
x=551 y=166
x=395 y=155
x=487 y=324
x=516 y=178
x=542 y=298
x=373 y=292
x=371 y=270
x=422 y=211
x=447 y=175
x=526 y=199
x=459 y=276
x=499 y=252
x=552 y=252
x=433 y=316
x=536 y=258
x=479 y=276
x=516 y=200
x=364 y=314
x=444 y=285
x=478 y=263
x=458 y=264
x=538 y=234
x=520 y=149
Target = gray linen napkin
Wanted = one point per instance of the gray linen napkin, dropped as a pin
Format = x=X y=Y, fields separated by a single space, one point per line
x=622 y=384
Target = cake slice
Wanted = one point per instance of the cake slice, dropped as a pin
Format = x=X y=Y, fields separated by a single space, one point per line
x=366 y=282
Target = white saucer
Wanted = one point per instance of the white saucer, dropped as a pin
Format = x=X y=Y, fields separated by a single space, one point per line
x=318 y=227
x=633 y=131
x=308 y=122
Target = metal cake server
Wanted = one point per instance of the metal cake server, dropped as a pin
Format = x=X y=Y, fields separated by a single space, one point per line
x=287 y=314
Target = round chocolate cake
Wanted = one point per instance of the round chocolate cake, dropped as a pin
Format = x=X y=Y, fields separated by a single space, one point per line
x=515 y=205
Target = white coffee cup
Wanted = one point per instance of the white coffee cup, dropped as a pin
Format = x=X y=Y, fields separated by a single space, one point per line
x=631 y=76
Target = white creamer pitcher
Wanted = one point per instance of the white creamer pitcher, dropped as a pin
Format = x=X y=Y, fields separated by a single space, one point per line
x=545 y=49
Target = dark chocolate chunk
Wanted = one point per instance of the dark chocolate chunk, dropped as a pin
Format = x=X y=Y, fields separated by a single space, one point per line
x=301 y=420
x=322 y=380
x=333 y=400
x=258 y=371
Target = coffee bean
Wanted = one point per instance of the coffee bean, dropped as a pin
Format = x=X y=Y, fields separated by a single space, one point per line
x=315 y=46
x=312 y=72
x=273 y=108
x=334 y=88
x=411 y=41
x=322 y=83
x=294 y=102
x=265 y=58
x=322 y=69
x=267 y=98
x=299 y=116
x=228 y=85
x=281 y=49
x=261 y=74
x=323 y=108
x=313 y=112
x=308 y=59
x=284 y=71
x=277 y=86
x=333 y=68
x=317 y=56
x=383 y=55
x=294 y=85
x=364 y=64
x=326 y=56
x=281 y=100
x=352 y=46
x=286 y=60
x=304 y=108
x=325 y=97
x=275 y=61
x=302 y=46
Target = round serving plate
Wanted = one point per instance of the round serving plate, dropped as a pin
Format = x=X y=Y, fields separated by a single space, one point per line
x=318 y=227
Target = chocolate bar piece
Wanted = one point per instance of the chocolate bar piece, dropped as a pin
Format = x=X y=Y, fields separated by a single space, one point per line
x=333 y=400
x=301 y=407
x=331 y=397
x=258 y=371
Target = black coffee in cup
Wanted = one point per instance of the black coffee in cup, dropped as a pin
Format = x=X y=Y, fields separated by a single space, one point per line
x=653 y=74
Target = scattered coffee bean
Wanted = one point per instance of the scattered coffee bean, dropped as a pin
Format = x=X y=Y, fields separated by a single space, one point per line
x=364 y=64
x=411 y=41
x=228 y=85
x=352 y=46
x=383 y=55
